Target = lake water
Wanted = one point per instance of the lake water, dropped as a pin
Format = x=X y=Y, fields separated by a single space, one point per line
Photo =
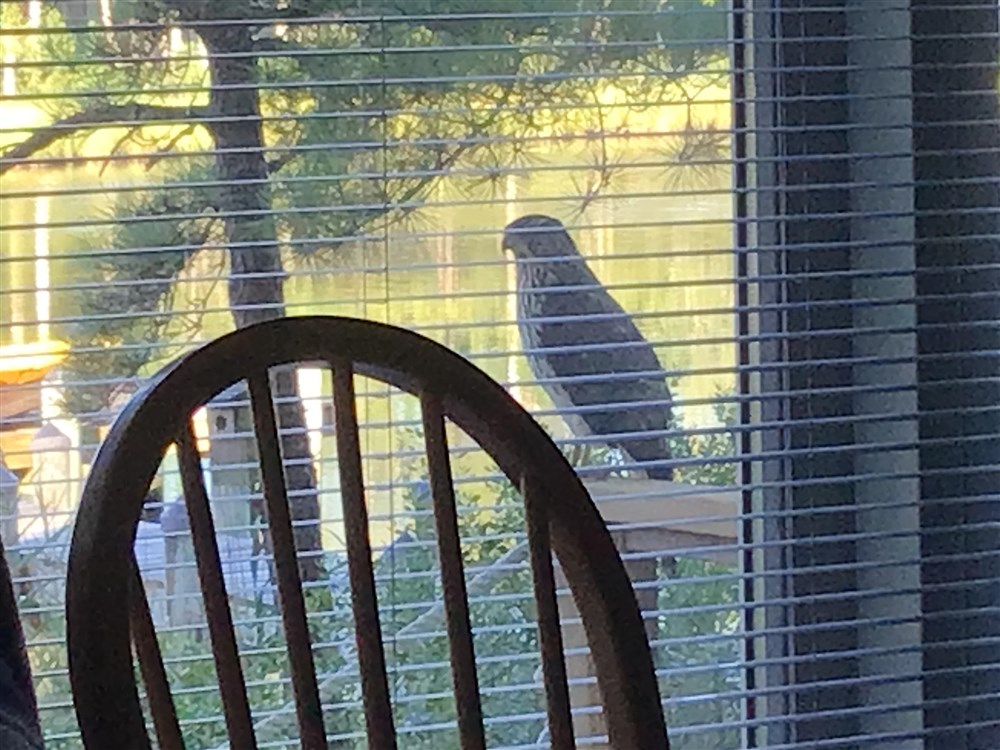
x=663 y=250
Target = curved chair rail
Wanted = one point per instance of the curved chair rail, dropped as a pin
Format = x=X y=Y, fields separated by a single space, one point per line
x=558 y=508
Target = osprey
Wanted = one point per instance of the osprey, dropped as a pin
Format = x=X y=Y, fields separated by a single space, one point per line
x=585 y=350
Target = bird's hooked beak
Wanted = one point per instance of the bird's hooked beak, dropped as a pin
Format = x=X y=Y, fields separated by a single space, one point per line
x=515 y=239
x=507 y=243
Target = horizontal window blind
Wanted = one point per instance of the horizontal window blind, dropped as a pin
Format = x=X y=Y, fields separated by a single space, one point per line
x=767 y=339
x=204 y=167
x=875 y=532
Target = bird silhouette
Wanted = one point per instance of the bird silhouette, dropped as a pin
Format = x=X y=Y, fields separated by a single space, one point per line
x=585 y=350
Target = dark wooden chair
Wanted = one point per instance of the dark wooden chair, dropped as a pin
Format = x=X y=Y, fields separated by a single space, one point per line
x=560 y=517
x=19 y=727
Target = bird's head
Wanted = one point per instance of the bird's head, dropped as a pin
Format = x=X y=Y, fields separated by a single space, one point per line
x=537 y=236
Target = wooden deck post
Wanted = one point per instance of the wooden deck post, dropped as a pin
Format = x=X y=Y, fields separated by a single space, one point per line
x=183 y=591
x=233 y=459
x=649 y=519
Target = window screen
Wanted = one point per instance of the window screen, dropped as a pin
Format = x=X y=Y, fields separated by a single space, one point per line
x=739 y=259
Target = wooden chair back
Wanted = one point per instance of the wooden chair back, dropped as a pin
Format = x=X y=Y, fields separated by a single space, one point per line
x=19 y=725
x=560 y=517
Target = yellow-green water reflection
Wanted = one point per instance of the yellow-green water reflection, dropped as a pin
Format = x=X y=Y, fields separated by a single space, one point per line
x=441 y=272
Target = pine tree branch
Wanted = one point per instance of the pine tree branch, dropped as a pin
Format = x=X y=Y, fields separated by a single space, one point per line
x=105 y=115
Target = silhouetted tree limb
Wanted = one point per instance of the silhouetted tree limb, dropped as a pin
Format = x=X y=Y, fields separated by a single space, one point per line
x=105 y=115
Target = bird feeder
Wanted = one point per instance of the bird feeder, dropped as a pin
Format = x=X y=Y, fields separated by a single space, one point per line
x=22 y=369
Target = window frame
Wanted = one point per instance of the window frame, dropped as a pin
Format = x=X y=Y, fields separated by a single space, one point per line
x=829 y=85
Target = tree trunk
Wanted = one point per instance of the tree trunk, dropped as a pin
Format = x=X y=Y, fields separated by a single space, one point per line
x=256 y=276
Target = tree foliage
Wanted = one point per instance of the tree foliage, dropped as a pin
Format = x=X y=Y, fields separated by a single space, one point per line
x=360 y=107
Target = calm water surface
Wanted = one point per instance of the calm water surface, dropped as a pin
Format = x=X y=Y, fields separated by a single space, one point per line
x=664 y=255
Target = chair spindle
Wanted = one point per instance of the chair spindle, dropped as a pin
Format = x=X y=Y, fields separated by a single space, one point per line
x=374 y=681
x=154 y=676
x=456 y=605
x=549 y=632
x=235 y=706
x=308 y=708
